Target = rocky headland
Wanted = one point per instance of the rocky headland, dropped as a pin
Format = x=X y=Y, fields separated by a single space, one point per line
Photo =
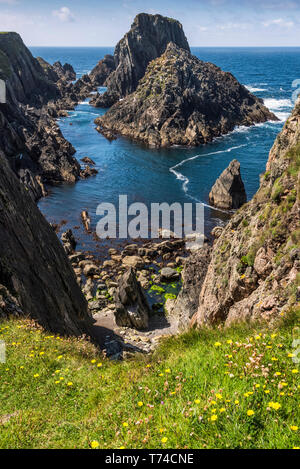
x=36 y=94
x=183 y=101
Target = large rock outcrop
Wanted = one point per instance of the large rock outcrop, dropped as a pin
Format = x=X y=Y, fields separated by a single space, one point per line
x=103 y=69
x=255 y=264
x=30 y=137
x=36 y=278
x=147 y=39
x=229 y=192
x=132 y=308
x=183 y=101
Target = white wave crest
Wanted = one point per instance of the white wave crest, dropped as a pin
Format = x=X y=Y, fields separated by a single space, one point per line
x=186 y=180
x=278 y=104
x=252 y=89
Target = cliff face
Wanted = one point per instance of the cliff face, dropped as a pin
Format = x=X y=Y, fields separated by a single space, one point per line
x=36 y=279
x=103 y=69
x=30 y=137
x=183 y=101
x=255 y=263
x=147 y=39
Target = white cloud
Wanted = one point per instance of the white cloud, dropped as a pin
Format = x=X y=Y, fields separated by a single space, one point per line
x=279 y=22
x=229 y=26
x=64 y=15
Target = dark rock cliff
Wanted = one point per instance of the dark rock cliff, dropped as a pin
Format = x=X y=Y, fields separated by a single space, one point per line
x=29 y=136
x=103 y=69
x=254 y=271
x=183 y=101
x=147 y=39
x=36 y=279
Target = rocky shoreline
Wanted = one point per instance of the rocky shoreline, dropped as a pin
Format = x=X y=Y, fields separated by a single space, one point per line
x=156 y=267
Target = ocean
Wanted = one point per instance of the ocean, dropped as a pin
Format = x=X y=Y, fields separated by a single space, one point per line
x=175 y=174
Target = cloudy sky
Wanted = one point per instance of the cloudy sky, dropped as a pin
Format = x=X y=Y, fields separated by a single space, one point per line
x=103 y=22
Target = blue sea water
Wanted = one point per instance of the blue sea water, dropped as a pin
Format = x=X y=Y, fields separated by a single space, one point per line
x=174 y=174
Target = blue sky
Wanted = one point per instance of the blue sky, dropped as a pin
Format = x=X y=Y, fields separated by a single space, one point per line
x=103 y=23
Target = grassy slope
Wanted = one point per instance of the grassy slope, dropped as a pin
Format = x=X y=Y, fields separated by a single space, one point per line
x=54 y=394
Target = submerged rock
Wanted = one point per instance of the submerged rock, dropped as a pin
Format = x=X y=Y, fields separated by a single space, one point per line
x=229 y=191
x=183 y=101
x=132 y=308
x=168 y=275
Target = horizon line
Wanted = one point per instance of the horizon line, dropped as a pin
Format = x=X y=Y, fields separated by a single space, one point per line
x=199 y=47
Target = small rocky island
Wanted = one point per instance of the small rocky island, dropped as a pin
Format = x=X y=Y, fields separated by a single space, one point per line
x=180 y=100
x=229 y=191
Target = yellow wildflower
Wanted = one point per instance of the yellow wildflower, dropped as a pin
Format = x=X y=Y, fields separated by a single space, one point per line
x=95 y=444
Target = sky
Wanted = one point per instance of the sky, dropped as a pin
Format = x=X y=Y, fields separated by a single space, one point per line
x=103 y=22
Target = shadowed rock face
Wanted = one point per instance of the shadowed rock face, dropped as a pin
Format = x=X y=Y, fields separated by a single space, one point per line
x=147 y=39
x=36 y=278
x=228 y=191
x=103 y=69
x=183 y=101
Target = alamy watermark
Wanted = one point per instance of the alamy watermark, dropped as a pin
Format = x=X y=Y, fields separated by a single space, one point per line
x=138 y=221
x=2 y=92
x=296 y=345
x=2 y=352
x=296 y=93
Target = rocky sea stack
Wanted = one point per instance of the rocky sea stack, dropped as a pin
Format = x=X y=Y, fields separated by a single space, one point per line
x=183 y=101
x=228 y=191
x=147 y=39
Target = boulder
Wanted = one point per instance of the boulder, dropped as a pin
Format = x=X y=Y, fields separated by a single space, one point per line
x=168 y=275
x=69 y=242
x=132 y=308
x=133 y=261
x=88 y=160
x=90 y=270
x=228 y=191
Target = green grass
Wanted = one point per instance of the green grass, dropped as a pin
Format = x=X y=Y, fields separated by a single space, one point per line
x=61 y=393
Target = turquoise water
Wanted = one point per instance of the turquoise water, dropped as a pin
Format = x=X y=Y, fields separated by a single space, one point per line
x=175 y=174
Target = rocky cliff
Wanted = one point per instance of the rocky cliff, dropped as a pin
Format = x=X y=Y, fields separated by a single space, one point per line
x=254 y=269
x=29 y=136
x=103 y=69
x=36 y=278
x=147 y=39
x=183 y=101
